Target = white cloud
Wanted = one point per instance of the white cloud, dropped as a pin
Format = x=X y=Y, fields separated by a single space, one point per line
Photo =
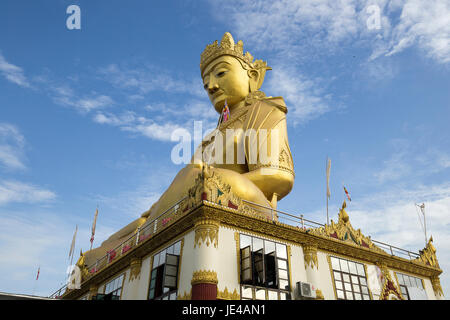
x=425 y=24
x=40 y=238
x=411 y=160
x=304 y=97
x=12 y=143
x=392 y=217
x=13 y=73
x=130 y=122
x=19 y=192
x=147 y=78
x=295 y=27
x=65 y=97
x=166 y=118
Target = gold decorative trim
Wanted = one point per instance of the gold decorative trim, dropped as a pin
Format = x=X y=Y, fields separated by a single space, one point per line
x=206 y=230
x=332 y=276
x=227 y=295
x=204 y=276
x=310 y=256
x=387 y=290
x=344 y=231
x=179 y=262
x=237 y=238
x=367 y=279
x=319 y=295
x=93 y=290
x=437 y=288
x=135 y=269
x=289 y=254
x=186 y=296
x=428 y=255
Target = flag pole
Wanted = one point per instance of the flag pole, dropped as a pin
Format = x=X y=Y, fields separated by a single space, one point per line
x=326 y=169
x=424 y=224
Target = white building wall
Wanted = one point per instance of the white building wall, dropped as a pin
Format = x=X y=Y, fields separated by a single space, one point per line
x=226 y=264
x=326 y=281
x=429 y=289
x=297 y=272
x=187 y=264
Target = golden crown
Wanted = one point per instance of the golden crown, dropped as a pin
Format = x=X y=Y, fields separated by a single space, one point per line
x=228 y=47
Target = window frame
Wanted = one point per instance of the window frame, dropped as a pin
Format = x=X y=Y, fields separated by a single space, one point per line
x=159 y=274
x=345 y=285
x=121 y=282
x=404 y=287
x=269 y=286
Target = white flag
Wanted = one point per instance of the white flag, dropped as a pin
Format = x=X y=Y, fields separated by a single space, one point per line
x=93 y=226
x=328 y=178
x=72 y=246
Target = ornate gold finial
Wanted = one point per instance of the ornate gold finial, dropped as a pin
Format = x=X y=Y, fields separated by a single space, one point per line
x=428 y=255
x=229 y=47
x=343 y=214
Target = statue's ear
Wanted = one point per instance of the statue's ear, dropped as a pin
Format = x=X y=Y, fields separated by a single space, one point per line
x=254 y=79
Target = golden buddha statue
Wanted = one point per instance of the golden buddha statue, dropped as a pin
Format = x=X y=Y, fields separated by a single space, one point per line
x=233 y=78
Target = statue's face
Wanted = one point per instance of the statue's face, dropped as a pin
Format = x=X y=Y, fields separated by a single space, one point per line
x=225 y=79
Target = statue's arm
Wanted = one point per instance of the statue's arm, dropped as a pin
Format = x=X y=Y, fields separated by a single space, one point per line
x=276 y=173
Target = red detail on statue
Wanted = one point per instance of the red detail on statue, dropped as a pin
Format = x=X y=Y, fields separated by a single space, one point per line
x=204 y=196
x=231 y=205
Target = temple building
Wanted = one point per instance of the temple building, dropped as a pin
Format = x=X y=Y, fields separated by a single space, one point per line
x=216 y=233
x=214 y=245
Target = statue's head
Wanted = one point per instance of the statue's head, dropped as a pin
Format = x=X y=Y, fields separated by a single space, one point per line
x=228 y=74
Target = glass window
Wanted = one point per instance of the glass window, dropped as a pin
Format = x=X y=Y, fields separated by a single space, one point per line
x=360 y=268
x=164 y=275
x=114 y=288
x=257 y=244
x=260 y=294
x=264 y=267
x=273 y=295
x=247 y=293
x=406 y=281
x=335 y=264
x=282 y=264
x=281 y=250
x=352 y=267
x=245 y=241
x=349 y=279
x=269 y=246
x=337 y=276
x=344 y=265
x=177 y=248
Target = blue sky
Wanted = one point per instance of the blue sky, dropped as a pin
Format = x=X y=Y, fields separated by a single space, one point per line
x=86 y=115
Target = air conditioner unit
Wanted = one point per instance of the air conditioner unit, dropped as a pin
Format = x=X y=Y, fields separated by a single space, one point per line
x=305 y=290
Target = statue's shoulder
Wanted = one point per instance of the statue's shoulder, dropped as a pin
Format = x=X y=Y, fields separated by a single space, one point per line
x=266 y=113
x=275 y=102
